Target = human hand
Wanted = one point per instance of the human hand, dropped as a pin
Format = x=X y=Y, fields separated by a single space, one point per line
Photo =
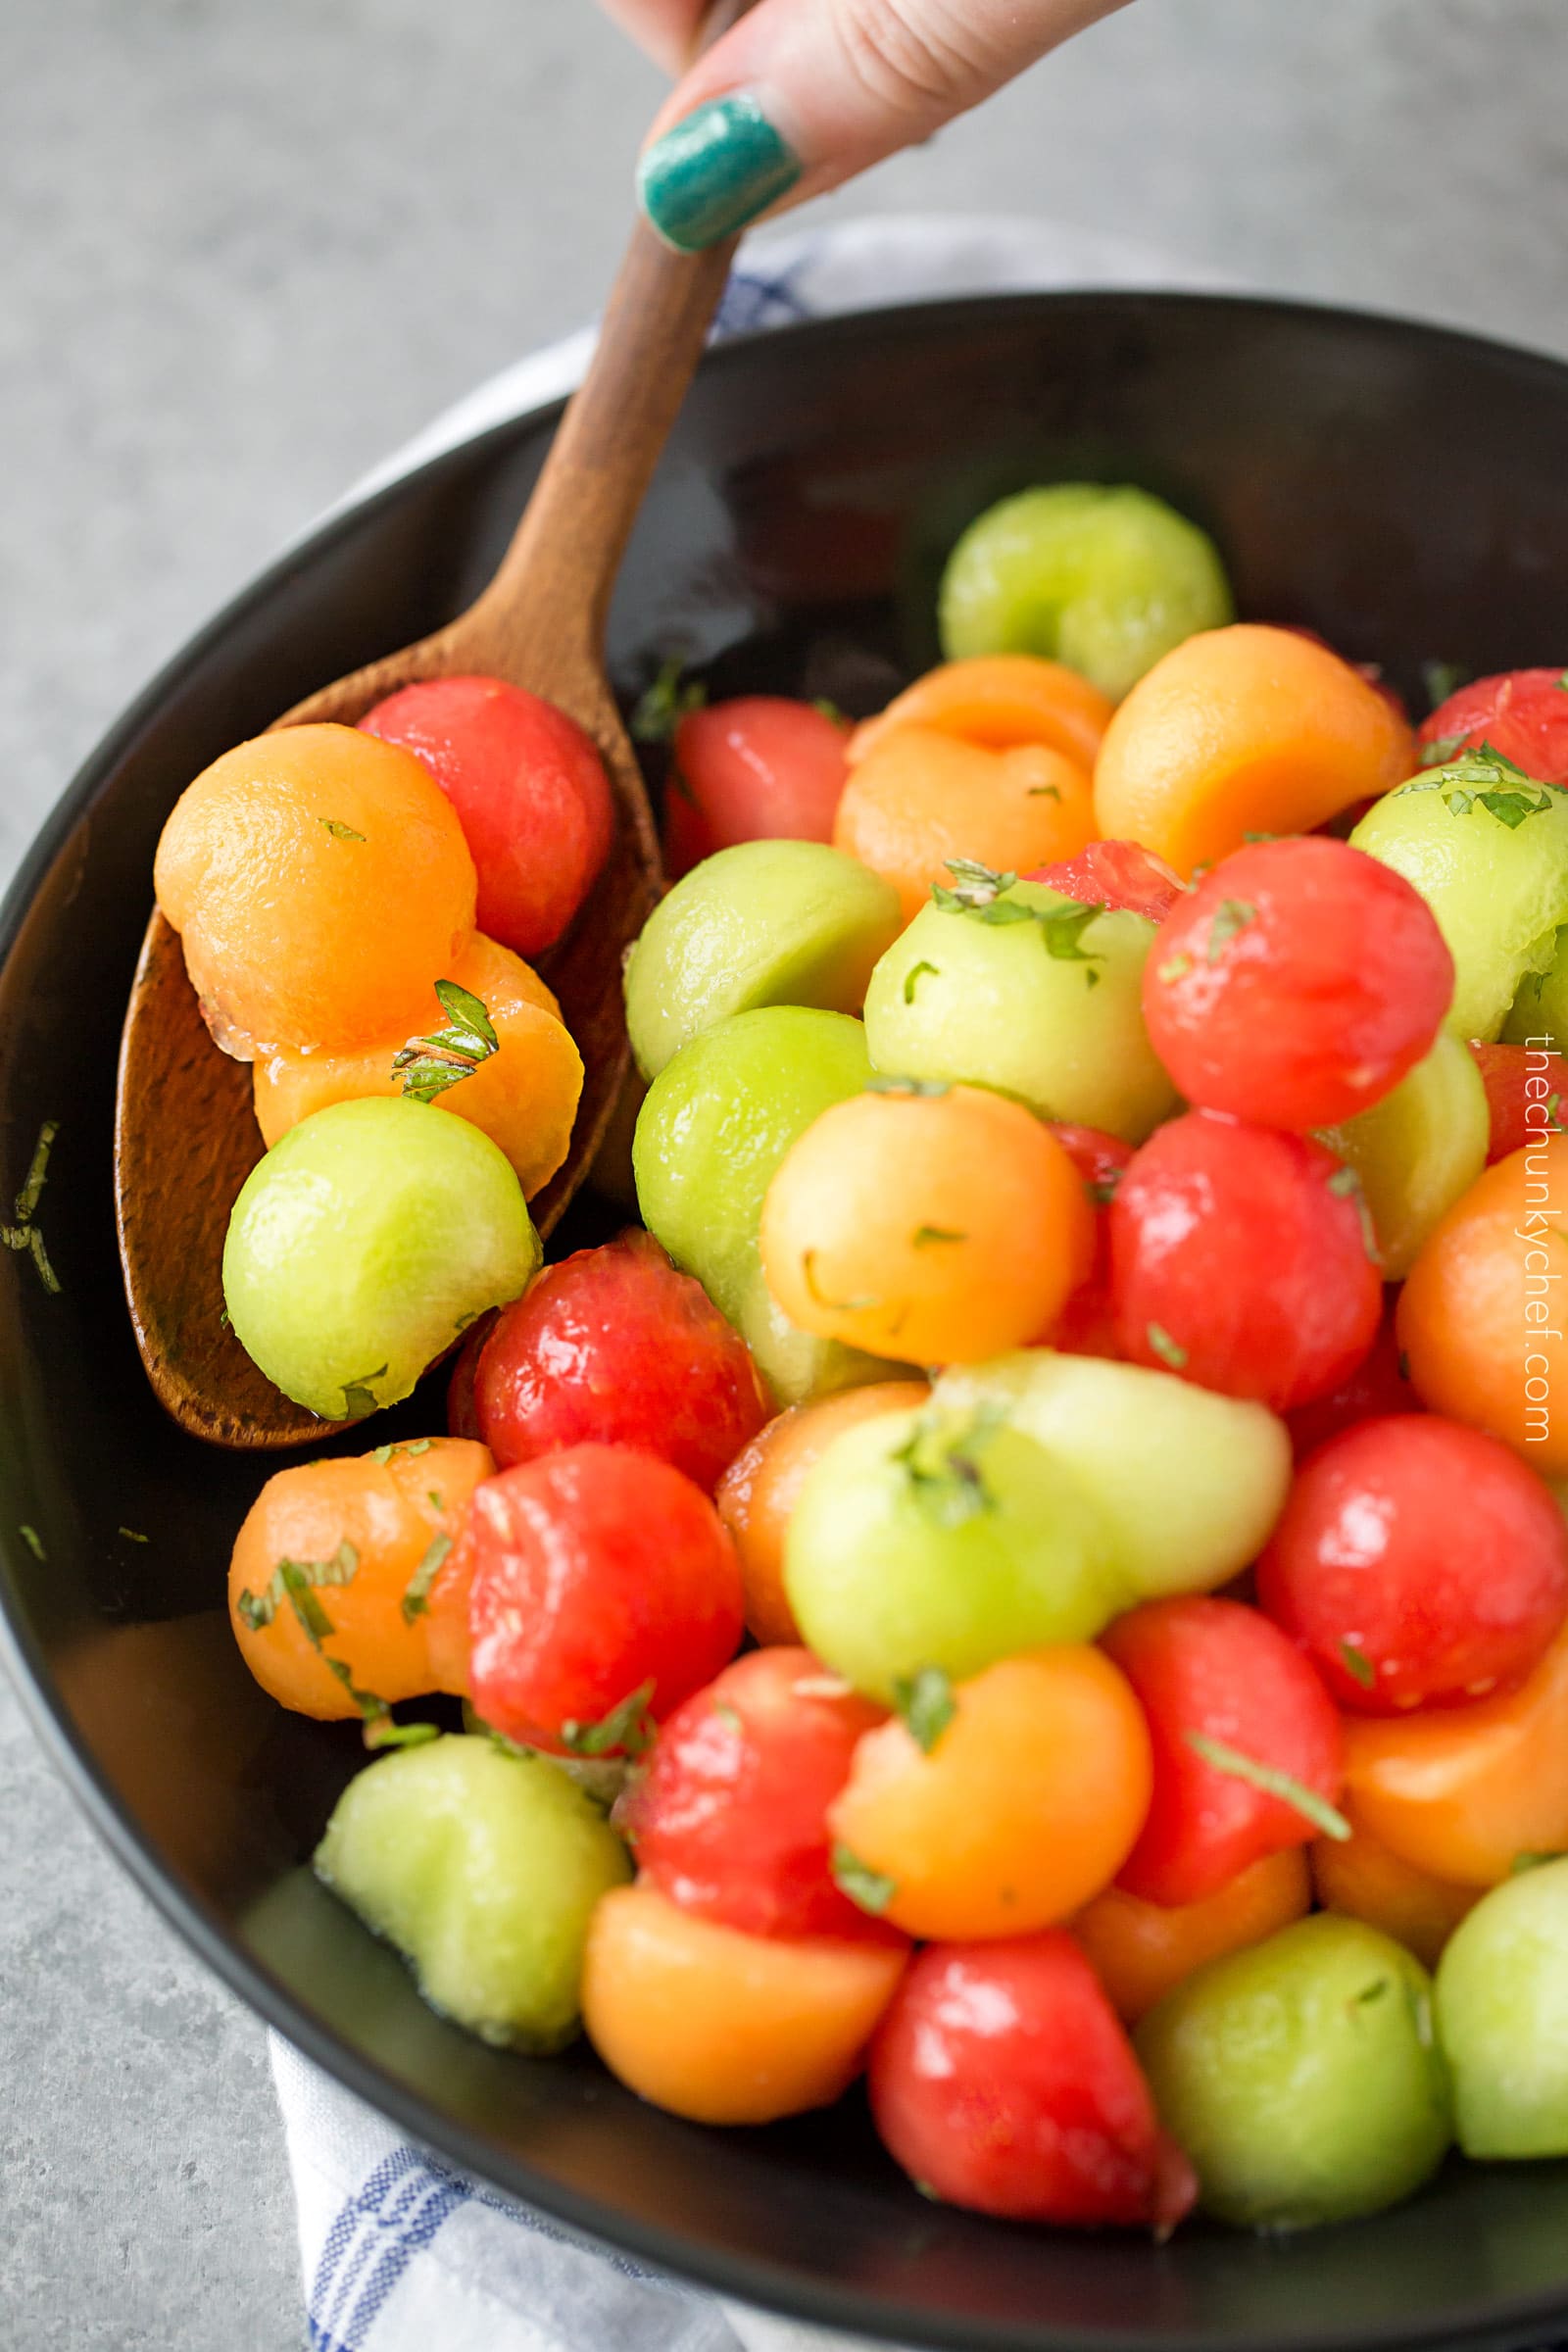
x=802 y=94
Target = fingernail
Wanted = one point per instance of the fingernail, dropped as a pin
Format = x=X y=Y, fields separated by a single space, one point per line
x=714 y=172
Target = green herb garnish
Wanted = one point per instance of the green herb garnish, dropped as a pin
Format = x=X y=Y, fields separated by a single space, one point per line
x=665 y=703
x=1532 y=1861
x=1484 y=779
x=133 y=1536
x=1044 y=792
x=867 y=1888
x=430 y=1064
x=1169 y=1352
x=340 y=831
x=926 y=1703
x=33 y=1541
x=981 y=891
x=408 y=1445
x=24 y=1234
x=830 y=710
x=417 y=1599
x=1345 y=1185
x=728 y=1716
x=629 y=1727
x=939 y=1462
x=930 y=1087
x=1174 y=967
x=258 y=1609
x=914 y=976
x=926 y=1236
x=837 y=1306
x=1371 y=1993
x=1442 y=679
x=359 y=1398
x=1273 y=1782
x=1230 y=916
x=1358 y=1665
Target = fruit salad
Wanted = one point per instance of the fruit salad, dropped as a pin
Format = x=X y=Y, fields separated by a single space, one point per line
x=1035 y=1573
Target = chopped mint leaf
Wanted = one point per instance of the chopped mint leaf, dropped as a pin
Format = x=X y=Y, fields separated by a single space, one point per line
x=1260 y=836
x=434 y=1500
x=383 y=1456
x=381 y=1732
x=37 y=1173
x=33 y=1540
x=1284 y=1784
x=41 y=1258
x=1044 y=792
x=981 y=891
x=1532 y=1861
x=914 y=976
x=359 y=1398
x=1358 y=1665
x=837 y=1306
x=665 y=703
x=430 y=1064
x=830 y=712
x=629 y=1726
x=1169 y=1352
x=340 y=831
x=867 y=1888
x=940 y=1464
x=926 y=1703
x=1345 y=1185
x=926 y=1236
x=1103 y=1189
x=909 y=1086
x=417 y=1598
x=728 y=1716
x=1230 y=916
x=1174 y=967
x=133 y=1536
x=1443 y=678
x=1372 y=1992
x=258 y=1609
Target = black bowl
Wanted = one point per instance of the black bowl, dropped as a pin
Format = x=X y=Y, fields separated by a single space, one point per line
x=1403 y=490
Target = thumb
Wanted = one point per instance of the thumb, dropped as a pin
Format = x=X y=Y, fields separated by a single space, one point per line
x=802 y=94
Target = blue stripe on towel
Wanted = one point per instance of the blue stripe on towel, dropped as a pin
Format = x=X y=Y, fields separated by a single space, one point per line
x=395 y=2213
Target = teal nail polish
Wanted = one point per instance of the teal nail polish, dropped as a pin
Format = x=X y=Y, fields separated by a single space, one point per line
x=714 y=172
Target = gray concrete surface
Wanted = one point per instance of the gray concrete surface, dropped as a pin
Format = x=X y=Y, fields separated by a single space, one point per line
x=245 y=245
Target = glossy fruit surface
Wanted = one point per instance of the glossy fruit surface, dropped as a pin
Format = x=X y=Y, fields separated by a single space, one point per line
x=724 y=2028
x=946 y=1539
x=1228 y=1699
x=939 y=1822
x=524 y=1094
x=365 y=1244
x=342 y=1560
x=1087 y=1324
x=757 y=1494
x=1489 y=853
x=1367 y=1880
x=1379 y=1385
x=716 y=1125
x=756 y=767
x=919 y=797
x=1000 y=2079
x=1418 y=1563
x=616 y=1346
x=1213 y=1471
x=286 y=846
x=1000 y=701
x=1117 y=874
x=1417 y=1151
x=1296 y=985
x=484 y=1870
x=1524 y=1091
x=1523 y=714
x=1478 y=1318
x=603 y=1592
x=1103 y=578
x=1502 y=2013
x=1463 y=1791
x=1243 y=731
x=729 y=1815
x=1013 y=985
x=1238 y=1259
x=768 y=922
x=1141 y=1951
x=926 y=1228
x=1302 y=2077
x=529 y=790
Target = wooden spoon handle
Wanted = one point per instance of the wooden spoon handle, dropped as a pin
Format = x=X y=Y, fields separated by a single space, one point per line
x=552 y=586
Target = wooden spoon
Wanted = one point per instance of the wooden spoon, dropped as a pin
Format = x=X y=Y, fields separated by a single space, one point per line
x=185 y=1132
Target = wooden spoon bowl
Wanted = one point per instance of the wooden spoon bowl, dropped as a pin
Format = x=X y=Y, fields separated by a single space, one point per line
x=185 y=1132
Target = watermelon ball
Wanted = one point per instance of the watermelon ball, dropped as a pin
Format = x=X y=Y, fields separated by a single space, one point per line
x=1115 y=874
x=1523 y=714
x=529 y=790
x=760 y=768
x=1296 y=985
x=614 y=1346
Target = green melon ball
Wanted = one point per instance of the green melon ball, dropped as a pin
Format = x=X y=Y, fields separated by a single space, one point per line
x=1105 y=579
x=1048 y=1008
x=718 y=1120
x=768 y=922
x=482 y=1868
x=942 y=1539
x=1417 y=1150
x=1489 y=853
x=1302 y=2076
x=1210 y=1476
x=368 y=1238
x=1502 y=2013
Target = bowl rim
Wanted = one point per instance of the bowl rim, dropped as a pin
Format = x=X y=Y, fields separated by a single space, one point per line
x=787 y=2291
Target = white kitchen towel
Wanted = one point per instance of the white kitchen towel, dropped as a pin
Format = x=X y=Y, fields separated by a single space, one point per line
x=401 y=2253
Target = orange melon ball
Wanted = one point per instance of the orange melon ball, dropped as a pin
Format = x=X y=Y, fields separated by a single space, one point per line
x=1480 y=1319
x=934 y=1228
x=320 y=882
x=725 y=2027
x=371 y=1536
x=757 y=1494
x=999 y=701
x=919 y=797
x=523 y=1097
x=1243 y=731
x=1024 y=1800
x=1141 y=1951
x=1366 y=1879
